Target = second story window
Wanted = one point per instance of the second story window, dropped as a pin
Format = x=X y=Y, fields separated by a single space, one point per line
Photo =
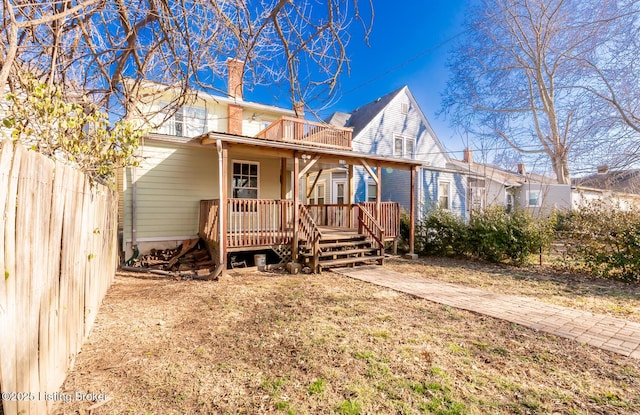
x=186 y=122
x=404 y=146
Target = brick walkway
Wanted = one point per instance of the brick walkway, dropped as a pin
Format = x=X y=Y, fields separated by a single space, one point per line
x=608 y=333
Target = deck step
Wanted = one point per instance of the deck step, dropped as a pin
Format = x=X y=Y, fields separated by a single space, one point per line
x=330 y=245
x=342 y=252
x=351 y=260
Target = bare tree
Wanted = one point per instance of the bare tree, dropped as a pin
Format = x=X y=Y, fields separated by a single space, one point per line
x=520 y=77
x=109 y=49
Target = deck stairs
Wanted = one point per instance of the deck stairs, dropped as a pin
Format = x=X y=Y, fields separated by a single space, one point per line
x=339 y=248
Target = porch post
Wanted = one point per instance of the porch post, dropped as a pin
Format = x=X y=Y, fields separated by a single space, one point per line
x=224 y=205
x=350 y=192
x=296 y=206
x=283 y=193
x=378 y=193
x=412 y=213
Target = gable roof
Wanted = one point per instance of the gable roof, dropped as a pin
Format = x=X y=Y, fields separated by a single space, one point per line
x=621 y=181
x=362 y=116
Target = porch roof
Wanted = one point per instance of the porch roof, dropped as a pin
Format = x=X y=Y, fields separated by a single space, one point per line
x=282 y=149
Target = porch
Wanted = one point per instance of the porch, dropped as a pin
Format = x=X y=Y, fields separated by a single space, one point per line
x=328 y=234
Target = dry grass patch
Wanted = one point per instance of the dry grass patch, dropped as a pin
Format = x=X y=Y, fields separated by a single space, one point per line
x=543 y=283
x=270 y=343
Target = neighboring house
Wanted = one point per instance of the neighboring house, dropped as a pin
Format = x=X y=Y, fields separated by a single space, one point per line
x=395 y=127
x=490 y=185
x=232 y=171
x=620 y=188
x=493 y=186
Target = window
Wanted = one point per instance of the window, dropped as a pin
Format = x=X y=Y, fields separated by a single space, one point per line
x=404 y=146
x=509 y=202
x=320 y=192
x=398 y=146
x=404 y=108
x=245 y=180
x=477 y=195
x=186 y=122
x=372 y=191
x=317 y=196
x=444 y=195
x=533 y=198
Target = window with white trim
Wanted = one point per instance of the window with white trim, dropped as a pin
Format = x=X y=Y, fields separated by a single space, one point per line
x=404 y=146
x=317 y=196
x=245 y=181
x=404 y=108
x=186 y=122
x=372 y=191
x=533 y=198
x=444 y=195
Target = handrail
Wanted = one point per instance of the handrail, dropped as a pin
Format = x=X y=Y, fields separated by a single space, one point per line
x=374 y=231
x=301 y=131
x=311 y=233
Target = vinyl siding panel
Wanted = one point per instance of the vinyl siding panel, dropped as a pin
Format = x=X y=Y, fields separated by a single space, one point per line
x=378 y=136
x=171 y=181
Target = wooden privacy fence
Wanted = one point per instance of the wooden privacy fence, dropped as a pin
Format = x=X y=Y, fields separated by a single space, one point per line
x=58 y=251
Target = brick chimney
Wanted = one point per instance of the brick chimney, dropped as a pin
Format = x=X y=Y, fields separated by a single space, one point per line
x=468 y=156
x=604 y=169
x=522 y=169
x=298 y=108
x=235 y=69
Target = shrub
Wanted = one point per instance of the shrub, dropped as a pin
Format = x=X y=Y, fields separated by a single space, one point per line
x=605 y=240
x=441 y=233
x=497 y=236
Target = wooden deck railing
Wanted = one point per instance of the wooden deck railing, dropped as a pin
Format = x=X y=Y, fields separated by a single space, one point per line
x=262 y=222
x=389 y=217
x=259 y=222
x=367 y=225
x=209 y=215
x=300 y=131
x=334 y=215
x=310 y=234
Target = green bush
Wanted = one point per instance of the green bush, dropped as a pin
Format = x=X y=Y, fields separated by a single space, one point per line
x=498 y=236
x=441 y=233
x=605 y=241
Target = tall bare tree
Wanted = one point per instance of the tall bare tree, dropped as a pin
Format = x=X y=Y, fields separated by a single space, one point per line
x=108 y=49
x=523 y=75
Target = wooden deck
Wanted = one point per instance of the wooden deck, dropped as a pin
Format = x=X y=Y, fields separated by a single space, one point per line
x=261 y=223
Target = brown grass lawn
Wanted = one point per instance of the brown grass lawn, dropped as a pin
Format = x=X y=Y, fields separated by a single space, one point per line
x=275 y=343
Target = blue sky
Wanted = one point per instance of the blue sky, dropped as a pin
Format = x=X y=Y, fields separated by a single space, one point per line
x=405 y=33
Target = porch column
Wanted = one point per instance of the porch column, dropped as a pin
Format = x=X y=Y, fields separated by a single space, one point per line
x=350 y=192
x=378 y=194
x=283 y=193
x=412 y=213
x=224 y=205
x=296 y=206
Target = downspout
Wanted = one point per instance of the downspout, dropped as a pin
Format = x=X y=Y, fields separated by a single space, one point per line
x=134 y=193
x=221 y=217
